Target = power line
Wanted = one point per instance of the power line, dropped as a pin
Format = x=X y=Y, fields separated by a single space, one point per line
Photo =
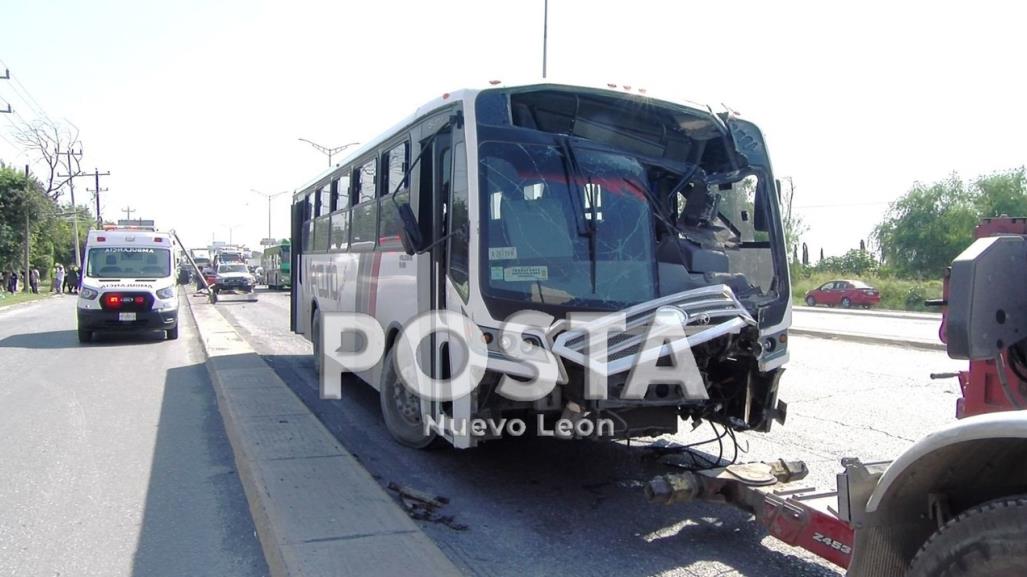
x=26 y=95
x=845 y=205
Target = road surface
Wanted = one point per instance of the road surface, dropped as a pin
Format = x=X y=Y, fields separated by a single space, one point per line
x=114 y=461
x=919 y=328
x=546 y=507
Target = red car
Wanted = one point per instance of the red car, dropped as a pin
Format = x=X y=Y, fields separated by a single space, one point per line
x=844 y=293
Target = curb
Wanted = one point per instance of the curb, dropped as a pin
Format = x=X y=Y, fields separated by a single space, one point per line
x=316 y=509
x=4 y=308
x=869 y=313
x=868 y=339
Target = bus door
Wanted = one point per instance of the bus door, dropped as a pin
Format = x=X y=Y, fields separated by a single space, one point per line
x=296 y=230
x=432 y=212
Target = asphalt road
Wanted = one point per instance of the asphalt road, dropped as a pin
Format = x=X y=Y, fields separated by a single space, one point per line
x=917 y=328
x=113 y=460
x=547 y=507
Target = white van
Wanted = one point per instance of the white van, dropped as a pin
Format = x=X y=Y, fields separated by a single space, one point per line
x=128 y=283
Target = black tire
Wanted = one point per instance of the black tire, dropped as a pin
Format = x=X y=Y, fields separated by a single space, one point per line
x=810 y=301
x=401 y=409
x=315 y=341
x=989 y=540
x=85 y=336
x=172 y=334
x=846 y=303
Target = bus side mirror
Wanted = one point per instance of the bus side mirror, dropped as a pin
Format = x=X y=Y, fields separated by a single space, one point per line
x=410 y=233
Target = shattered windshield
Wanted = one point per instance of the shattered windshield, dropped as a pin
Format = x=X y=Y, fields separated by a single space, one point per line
x=562 y=232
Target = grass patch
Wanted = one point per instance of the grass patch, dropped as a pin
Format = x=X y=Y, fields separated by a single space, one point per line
x=8 y=299
x=896 y=294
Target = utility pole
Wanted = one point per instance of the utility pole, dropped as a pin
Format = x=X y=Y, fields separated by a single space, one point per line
x=71 y=188
x=545 y=37
x=96 y=191
x=326 y=150
x=128 y=210
x=6 y=76
x=28 y=241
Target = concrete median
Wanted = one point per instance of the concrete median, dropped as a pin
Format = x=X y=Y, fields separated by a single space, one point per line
x=316 y=509
x=868 y=339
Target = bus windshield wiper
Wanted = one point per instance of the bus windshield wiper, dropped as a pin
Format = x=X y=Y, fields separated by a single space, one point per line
x=590 y=224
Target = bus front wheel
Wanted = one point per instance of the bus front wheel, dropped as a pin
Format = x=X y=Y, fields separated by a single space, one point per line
x=315 y=339
x=401 y=409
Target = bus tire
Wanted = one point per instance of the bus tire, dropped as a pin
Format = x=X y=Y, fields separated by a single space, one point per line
x=989 y=540
x=401 y=409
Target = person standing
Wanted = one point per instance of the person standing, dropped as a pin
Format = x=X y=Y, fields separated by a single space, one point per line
x=34 y=280
x=70 y=280
x=12 y=282
x=58 y=282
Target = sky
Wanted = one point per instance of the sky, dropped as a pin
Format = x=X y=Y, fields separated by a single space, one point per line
x=191 y=104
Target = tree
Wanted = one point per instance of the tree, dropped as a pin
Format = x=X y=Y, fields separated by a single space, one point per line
x=48 y=141
x=21 y=196
x=1002 y=193
x=931 y=224
x=854 y=261
x=794 y=226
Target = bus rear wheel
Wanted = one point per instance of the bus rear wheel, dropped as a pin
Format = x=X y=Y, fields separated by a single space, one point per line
x=401 y=409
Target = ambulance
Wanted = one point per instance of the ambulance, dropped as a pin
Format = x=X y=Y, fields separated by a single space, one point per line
x=128 y=283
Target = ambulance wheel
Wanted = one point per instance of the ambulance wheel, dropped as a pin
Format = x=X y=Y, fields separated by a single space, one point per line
x=401 y=409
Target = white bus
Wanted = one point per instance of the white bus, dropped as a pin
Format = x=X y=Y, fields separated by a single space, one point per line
x=562 y=200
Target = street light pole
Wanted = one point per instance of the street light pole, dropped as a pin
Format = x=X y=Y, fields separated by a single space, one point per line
x=545 y=36
x=269 y=197
x=327 y=150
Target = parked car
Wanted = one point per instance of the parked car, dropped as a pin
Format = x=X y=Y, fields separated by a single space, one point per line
x=844 y=293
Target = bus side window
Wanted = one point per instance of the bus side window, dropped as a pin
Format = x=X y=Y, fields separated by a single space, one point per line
x=342 y=194
x=325 y=203
x=308 y=223
x=364 y=219
x=458 y=247
x=394 y=164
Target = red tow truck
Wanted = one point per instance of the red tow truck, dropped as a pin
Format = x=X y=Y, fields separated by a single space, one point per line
x=955 y=503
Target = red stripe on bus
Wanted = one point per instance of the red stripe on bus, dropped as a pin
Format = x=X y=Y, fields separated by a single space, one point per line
x=376 y=265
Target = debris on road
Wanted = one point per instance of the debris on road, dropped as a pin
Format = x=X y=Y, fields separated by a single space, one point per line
x=424 y=507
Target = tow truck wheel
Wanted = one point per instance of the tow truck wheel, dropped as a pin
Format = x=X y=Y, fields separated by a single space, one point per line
x=401 y=409
x=85 y=336
x=810 y=301
x=989 y=540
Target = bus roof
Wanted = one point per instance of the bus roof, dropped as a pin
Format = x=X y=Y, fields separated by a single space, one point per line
x=468 y=94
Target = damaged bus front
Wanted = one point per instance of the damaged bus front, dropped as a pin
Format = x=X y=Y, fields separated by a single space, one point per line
x=614 y=208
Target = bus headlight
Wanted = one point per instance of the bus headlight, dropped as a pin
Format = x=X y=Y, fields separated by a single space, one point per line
x=88 y=293
x=166 y=293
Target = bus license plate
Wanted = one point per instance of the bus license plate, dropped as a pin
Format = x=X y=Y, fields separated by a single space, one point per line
x=126 y=316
